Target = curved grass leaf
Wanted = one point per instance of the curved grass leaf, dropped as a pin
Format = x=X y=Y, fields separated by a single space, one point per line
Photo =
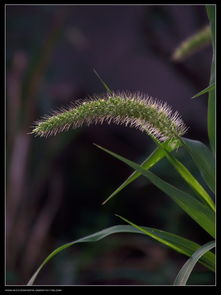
x=202 y=214
x=173 y=241
x=187 y=268
x=180 y=244
x=90 y=238
x=203 y=159
x=152 y=159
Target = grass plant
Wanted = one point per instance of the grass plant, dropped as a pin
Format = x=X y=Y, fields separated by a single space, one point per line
x=166 y=129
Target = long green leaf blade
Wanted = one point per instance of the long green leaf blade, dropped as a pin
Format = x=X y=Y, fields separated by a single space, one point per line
x=184 y=246
x=152 y=159
x=188 y=177
x=187 y=268
x=191 y=180
x=212 y=93
x=211 y=12
x=173 y=241
x=212 y=119
x=203 y=159
x=202 y=214
x=91 y=238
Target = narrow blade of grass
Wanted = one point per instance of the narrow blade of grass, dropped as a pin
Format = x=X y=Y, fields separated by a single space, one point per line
x=102 y=81
x=207 y=89
x=211 y=117
x=211 y=12
x=90 y=238
x=203 y=159
x=184 y=246
x=188 y=177
x=191 y=180
x=152 y=159
x=187 y=268
x=202 y=214
x=175 y=242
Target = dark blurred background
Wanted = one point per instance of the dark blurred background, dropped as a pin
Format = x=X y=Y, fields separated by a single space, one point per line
x=55 y=186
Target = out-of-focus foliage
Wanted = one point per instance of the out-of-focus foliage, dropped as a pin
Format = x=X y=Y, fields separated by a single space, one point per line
x=193 y=44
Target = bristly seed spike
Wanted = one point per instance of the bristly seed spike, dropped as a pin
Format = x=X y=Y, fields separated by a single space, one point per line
x=130 y=109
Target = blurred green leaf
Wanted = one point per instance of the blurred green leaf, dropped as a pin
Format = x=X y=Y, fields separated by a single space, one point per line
x=193 y=44
x=203 y=159
x=38 y=66
x=202 y=214
x=187 y=268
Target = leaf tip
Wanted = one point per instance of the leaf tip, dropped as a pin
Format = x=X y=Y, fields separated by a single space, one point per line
x=104 y=202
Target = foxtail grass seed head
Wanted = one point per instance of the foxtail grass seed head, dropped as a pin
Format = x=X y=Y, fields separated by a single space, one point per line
x=129 y=109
